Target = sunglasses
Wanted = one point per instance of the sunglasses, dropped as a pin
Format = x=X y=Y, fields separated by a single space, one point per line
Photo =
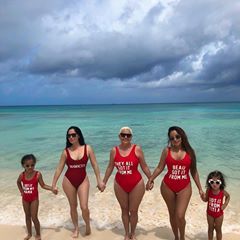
x=73 y=135
x=177 y=137
x=27 y=166
x=125 y=135
x=218 y=182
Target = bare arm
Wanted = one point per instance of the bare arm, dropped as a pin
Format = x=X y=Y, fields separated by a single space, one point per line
x=204 y=196
x=95 y=167
x=110 y=166
x=59 y=169
x=19 y=184
x=142 y=162
x=227 y=199
x=196 y=179
x=43 y=185
x=158 y=169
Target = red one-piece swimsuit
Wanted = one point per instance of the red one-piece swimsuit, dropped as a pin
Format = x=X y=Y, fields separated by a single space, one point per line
x=76 y=171
x=30 y=187
x=127 y=175
x=215 y=202
x=177 y=177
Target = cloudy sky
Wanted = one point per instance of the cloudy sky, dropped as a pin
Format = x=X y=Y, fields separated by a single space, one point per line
x=122 y=51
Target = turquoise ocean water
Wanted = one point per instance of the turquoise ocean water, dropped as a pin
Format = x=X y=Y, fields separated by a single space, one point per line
x=213 y=130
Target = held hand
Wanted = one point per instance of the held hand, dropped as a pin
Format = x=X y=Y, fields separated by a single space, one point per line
x=202 y=195
x=149 y=185
x=101 y=186
x=55 y=190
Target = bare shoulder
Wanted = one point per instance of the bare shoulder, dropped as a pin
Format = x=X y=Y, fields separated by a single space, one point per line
x=64 y=152
x=113 y=151
x=20 y=176
x=39 y=174
x=138 y=149
x=89 y=148
x=165 y=151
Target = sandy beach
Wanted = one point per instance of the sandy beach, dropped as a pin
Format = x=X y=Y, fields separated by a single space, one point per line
x=9 y=232
x=106 y=217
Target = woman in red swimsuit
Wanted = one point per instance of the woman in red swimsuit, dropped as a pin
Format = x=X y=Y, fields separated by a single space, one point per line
x=75 y=182
x=176 y=186
x=128 y=185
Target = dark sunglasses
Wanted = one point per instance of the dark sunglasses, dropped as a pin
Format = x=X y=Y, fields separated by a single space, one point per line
x=177 y=137
x=125 y=135
x=27 y=166
x=218 y=182
x=73 y=135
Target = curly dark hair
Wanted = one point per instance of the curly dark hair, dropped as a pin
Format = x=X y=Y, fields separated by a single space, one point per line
x=216 y=174
x=28 y=157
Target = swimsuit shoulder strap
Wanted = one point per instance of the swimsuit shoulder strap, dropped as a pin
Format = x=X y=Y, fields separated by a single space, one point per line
x=68 y=154
x=85 y=151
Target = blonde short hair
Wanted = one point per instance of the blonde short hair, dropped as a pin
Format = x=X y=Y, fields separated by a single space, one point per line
x=126 y=128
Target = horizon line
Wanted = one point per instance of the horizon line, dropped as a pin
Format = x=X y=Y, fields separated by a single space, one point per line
x=99 y=104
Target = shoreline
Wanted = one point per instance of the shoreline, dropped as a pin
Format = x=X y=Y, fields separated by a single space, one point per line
x=13 y=232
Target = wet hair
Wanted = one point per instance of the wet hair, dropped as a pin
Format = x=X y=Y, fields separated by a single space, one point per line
x=80 y=136
x=186 y=146
x=126 y=128
x=216 y=174
x=28 y=157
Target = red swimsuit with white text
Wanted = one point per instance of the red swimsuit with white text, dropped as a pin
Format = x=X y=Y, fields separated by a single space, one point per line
x=128 y=175
x=76 y=171
x=215 y=203
x=30 y=187
x=177 y=177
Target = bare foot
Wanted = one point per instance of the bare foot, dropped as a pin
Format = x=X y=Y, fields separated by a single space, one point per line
x=126 y=237
x=75 y=233
x=133 y=237
x=88 y=230
x=37 y=237
x=28 y=237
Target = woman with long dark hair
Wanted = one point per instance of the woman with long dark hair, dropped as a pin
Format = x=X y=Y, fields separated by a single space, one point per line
x=75 y=182
x=176 y=188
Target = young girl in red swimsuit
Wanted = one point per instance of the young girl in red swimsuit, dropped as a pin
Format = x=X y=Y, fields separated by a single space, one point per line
x=27 y=183
x=218 y=200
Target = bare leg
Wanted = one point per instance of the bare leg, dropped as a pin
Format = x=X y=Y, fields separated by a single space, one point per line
x=170 y=198
x=122 y=198
x=83 y=193
x=71 y=194
x=27 y=211
x=182 y=201
x=34 y=215
x=135 y=198
x=218 y=227
x=210 y=221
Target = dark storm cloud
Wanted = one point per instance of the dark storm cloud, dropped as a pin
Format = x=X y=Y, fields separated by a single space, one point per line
x=161 y=44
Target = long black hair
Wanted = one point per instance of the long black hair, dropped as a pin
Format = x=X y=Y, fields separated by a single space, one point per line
x=80 y=136
x=186 y=146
